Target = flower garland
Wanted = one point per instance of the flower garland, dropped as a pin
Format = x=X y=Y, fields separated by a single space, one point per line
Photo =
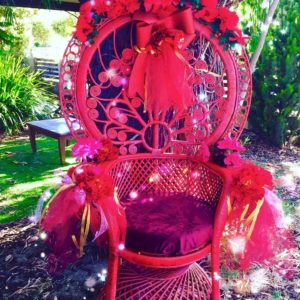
x=223 y=22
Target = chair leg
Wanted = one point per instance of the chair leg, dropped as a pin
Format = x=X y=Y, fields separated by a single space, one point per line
x=112 y=277
x=215 y=262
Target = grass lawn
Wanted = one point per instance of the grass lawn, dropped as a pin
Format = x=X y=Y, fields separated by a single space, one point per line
x=24 y=175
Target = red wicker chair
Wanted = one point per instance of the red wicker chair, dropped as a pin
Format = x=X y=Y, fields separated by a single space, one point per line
x=157 y=152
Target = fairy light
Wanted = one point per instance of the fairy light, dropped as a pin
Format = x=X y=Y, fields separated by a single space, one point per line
x=110 y=73
x=185 y=170
x=43 y=255
x=43 y=235
x=90 y=282
x=121 y=247
x=133 y=195
x=237 y=244
x=195 y=174
x=217 y=276
x=123 y=81
x=202 y=96
x=154 y=178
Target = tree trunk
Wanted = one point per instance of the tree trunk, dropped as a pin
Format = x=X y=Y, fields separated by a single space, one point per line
x=264 y=32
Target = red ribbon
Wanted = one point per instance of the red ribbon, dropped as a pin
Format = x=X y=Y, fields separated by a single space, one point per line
x=160 y=72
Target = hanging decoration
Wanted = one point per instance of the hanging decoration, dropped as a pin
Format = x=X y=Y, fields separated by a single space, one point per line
x=76 y=209
x=223 y=22
x=256 y=229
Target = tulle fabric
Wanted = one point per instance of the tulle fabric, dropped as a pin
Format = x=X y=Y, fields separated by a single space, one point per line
x=270 y=237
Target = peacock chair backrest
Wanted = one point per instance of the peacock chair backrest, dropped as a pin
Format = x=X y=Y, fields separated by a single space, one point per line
x=94 y=95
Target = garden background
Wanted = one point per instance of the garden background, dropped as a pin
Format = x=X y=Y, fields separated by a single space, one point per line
x=272 y=137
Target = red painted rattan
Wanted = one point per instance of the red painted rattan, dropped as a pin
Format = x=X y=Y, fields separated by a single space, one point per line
x=221 y=105
x=189 y=283
x=157 y=150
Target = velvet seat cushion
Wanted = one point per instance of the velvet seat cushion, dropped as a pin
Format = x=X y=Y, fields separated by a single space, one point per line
x=168 y=225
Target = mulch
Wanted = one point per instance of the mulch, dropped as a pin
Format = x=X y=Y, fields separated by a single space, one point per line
x=23 y=254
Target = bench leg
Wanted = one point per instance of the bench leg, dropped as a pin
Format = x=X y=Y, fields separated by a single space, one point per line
x=68 y=142
x=62 y=150
x=32 y=139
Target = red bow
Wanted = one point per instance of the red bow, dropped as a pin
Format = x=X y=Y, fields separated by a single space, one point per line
x=160 y=72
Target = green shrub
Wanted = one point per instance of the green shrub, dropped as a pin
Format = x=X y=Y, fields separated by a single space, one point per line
x=64 y=27
x=40 y=33
x=275 y=111
x=23 y=95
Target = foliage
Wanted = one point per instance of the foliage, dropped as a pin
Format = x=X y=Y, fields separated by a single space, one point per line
x=64 y=27
x=13 y=26
x=7 y=19
x=40 y=33
x=22 y=95
x=275 y=112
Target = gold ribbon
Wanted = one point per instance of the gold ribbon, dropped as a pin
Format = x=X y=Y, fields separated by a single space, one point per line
x=63 y=188
x=251 y=219
x=84 y=230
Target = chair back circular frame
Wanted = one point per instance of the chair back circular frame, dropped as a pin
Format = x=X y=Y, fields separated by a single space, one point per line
x=94 y=101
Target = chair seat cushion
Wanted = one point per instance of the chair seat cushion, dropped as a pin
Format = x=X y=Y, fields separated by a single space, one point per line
x=168 y=225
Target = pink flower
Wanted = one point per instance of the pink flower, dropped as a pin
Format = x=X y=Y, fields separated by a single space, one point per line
x=233 y=159
x=86 y=148
x=230 y=144
x=203 y=153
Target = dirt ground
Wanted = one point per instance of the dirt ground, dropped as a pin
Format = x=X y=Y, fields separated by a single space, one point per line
x=23 y=253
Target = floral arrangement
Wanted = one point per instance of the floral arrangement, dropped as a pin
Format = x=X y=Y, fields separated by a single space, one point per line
x=75 y=209
x=252 y=204
x=222 y=21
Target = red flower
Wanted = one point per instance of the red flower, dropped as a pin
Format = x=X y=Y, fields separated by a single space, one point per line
x=229 y=19
x=208 y=14
x=83 y=29
x=106 y=153
x=84 y=173
x=122 y=7
x=209 y=3
x=86 y=11
x=230 y=144
x=161 y=7
x=233 y=159
x=203 y=153
x=249 y=182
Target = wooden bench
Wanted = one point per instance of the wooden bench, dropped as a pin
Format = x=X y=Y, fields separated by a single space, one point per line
x=55 y=128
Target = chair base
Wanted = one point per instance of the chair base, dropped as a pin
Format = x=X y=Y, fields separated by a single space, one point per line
x=139 y=283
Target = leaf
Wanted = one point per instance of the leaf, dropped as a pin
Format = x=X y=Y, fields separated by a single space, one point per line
x=23 y=163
